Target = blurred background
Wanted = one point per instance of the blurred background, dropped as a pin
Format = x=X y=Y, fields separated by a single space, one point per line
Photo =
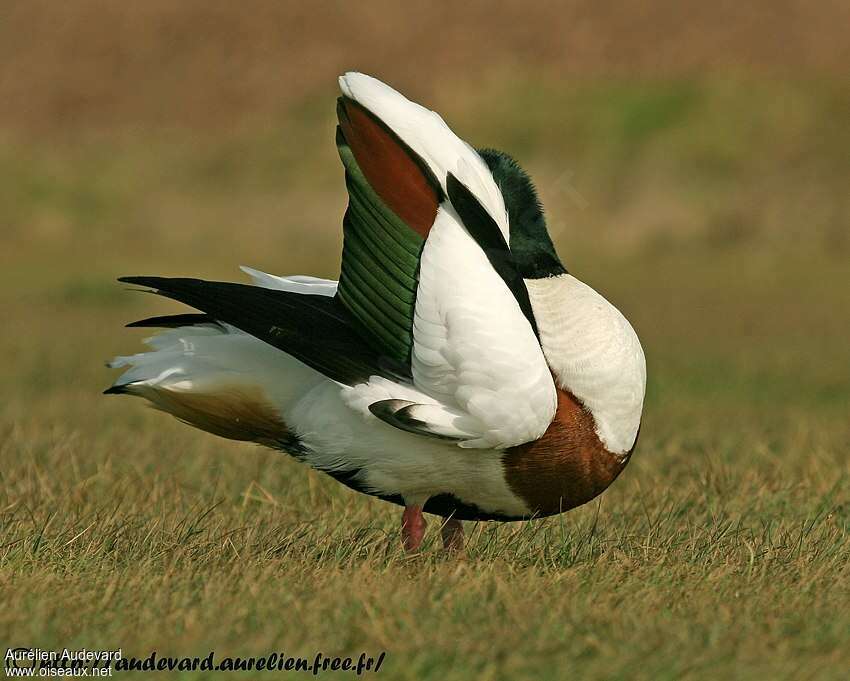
x=693 y=160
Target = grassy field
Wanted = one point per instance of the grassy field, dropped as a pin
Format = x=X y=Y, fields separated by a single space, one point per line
x=711 y=208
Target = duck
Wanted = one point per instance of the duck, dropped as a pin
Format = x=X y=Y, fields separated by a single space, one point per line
x=455 y=368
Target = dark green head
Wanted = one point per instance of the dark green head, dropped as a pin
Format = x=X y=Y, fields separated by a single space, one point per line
x=531 y=247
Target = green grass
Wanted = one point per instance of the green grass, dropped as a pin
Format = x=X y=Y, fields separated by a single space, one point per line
x=711 y=212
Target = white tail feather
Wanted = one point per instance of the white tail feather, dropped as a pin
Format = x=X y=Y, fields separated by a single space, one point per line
x=219 y=362
x=205 y=360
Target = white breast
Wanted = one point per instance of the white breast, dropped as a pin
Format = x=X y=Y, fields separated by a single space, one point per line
x=594 y=353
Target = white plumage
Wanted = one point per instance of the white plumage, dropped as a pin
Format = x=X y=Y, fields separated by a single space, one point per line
x=332 y=421
x=483 y=390
x=297 y=283
x=476 y=352
x=595 y=353
x=429 y=136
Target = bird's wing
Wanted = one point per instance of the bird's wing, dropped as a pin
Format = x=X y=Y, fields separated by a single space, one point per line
x=393 y=200
x=428 y=277
x=314 y=329
x=429 y=327
x=297 y=283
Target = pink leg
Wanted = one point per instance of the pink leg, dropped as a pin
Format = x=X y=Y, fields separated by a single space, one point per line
x=412 y=528
x=453 y=535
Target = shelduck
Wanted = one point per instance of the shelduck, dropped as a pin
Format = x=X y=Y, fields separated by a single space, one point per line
x=455 y=368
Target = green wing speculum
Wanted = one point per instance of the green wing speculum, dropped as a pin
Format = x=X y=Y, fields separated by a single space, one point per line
x=393 y=200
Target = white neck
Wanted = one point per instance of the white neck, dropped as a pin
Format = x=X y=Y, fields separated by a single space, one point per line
x=594 y=354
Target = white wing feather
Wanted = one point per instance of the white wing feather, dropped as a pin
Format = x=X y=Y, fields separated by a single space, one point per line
x=479 y=373
x=475 y=361
x=427 y=134
x=297 y=283
x=473 y=346
x=478 y=369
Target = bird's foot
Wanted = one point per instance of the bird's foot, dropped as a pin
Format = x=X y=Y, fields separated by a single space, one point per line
x=412 y=528
x=452 y=535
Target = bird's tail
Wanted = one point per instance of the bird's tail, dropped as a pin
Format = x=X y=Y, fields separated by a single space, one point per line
x=218 y=378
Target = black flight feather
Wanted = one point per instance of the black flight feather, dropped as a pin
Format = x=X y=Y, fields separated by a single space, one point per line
x=397 y=413
x=174 y=321
x=317 y=330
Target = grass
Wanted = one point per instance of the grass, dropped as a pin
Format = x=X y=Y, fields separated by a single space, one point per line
x=711 y=211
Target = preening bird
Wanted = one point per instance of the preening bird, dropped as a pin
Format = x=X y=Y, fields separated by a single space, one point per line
x=456 y=368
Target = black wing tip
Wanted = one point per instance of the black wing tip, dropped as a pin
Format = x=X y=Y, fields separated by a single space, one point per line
x=153 y=283
x=386 y=409
x=173 y=321
x=405 y=415
x=397 y=413
x=116 y=390
x=150 y=322
x=315 y=330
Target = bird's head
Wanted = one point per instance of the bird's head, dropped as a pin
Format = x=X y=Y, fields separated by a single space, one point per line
x=532 y=250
